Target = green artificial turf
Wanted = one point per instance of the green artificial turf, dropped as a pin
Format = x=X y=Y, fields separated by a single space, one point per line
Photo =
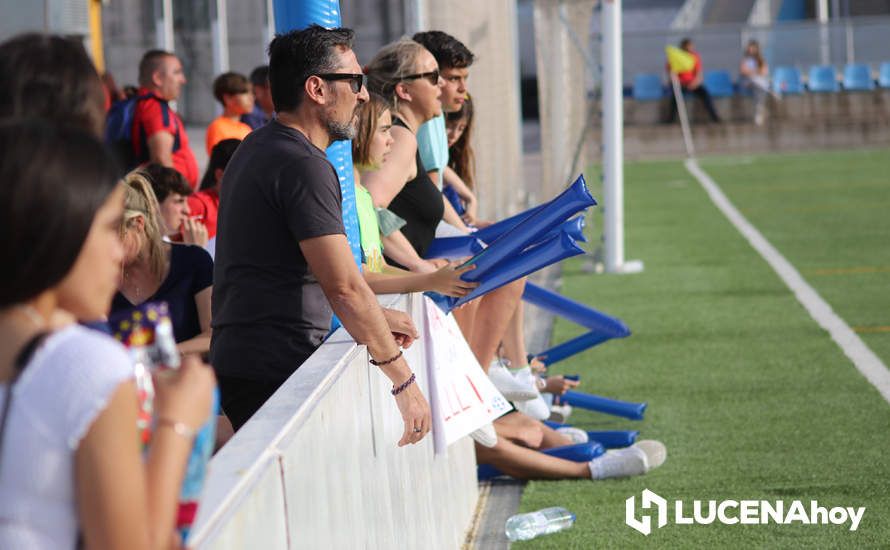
x=752 y=398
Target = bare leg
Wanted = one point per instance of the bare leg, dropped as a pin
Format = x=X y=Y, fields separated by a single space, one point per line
x=522 y=463
x=514 y=339
x=492 y=319
x=527 y=431
x=465 y=317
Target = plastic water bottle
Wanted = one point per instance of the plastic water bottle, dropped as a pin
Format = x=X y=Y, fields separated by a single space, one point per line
x=542 y=522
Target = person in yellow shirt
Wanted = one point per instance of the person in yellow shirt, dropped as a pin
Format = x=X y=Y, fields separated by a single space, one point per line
x=233 y=91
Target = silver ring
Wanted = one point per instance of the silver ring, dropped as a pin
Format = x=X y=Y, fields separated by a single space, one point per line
x=417 y=430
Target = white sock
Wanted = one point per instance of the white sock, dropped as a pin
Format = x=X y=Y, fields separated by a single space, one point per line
x=631 y=461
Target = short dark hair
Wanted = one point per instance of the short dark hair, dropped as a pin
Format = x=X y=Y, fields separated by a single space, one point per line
x=165 y=180
x=150 y=63
x=450 y=53
x=297 y=55
x=219 y=158
x=685 y=42
x=230 y=84
x=260 y=76
x=55 y=178
x=48 y=76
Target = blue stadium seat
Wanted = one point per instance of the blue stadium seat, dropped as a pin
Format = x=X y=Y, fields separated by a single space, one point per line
x=787 y=80
x=823 y=78
x=884 y=75
x=719 y=83
x=647 y=87
x=857 y=76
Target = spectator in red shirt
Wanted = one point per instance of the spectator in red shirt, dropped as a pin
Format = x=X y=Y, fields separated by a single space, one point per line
x=204 y=205
x=693 y=82
x=158 y=132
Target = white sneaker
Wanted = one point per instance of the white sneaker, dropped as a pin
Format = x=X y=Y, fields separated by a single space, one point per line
x=639 y=458
x=577 y=435
x=560 y=413
x=536 y=408
x=508 y=385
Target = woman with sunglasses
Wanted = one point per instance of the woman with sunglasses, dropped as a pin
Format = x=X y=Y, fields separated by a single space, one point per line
x=407 y=76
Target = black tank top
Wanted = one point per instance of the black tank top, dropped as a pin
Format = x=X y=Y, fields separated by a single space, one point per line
x=420 y=204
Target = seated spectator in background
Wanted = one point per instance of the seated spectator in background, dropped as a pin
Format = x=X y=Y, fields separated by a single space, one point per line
x=693 y=82
x=754 y=74
x=204 y=205
x=232 y=90
x=154 y=270
x=51 y=77
x=263 y=109
x=158 y=133
x=172 y=192
x=72 y=466
x=282 y=258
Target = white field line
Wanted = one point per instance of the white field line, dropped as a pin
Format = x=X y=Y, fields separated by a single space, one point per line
x=869 y=364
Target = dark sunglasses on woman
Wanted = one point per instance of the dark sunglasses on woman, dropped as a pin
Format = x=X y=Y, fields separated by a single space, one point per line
x=432 y=77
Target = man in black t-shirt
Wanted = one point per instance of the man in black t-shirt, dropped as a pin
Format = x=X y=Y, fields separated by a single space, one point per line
x=282 y=259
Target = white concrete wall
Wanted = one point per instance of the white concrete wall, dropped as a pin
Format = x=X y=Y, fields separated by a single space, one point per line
x=318 y=465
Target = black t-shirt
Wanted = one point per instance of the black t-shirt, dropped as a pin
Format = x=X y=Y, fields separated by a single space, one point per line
x=269 y=313
x=420 y=204
x=191 y=271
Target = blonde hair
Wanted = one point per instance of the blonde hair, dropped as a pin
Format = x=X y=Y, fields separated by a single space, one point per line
x=140 y=200
x=390 y=66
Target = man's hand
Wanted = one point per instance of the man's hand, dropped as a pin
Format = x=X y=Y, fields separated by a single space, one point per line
x=401 y=326
x=415 y=413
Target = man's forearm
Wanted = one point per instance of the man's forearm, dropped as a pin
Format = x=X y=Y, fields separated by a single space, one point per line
x=361 y=315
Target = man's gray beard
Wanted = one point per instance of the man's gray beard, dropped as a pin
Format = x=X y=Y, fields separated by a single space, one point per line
x=340 y=131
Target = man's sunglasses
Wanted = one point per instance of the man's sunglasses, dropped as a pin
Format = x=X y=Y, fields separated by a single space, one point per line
x=432 y=77
x=356 y=81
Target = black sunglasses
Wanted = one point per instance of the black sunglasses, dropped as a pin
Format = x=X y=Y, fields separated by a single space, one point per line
x=356 y=81
x=432 y=77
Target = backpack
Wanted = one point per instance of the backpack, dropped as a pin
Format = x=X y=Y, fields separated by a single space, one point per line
x=119 y=131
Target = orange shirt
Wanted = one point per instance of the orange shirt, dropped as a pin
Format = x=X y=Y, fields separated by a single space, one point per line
x=225 y=128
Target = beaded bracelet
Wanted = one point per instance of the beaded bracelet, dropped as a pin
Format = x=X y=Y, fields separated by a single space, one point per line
x=388 y=361
x=400 y=389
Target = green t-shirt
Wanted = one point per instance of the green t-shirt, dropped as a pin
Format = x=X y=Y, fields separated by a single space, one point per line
x=372 y=248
